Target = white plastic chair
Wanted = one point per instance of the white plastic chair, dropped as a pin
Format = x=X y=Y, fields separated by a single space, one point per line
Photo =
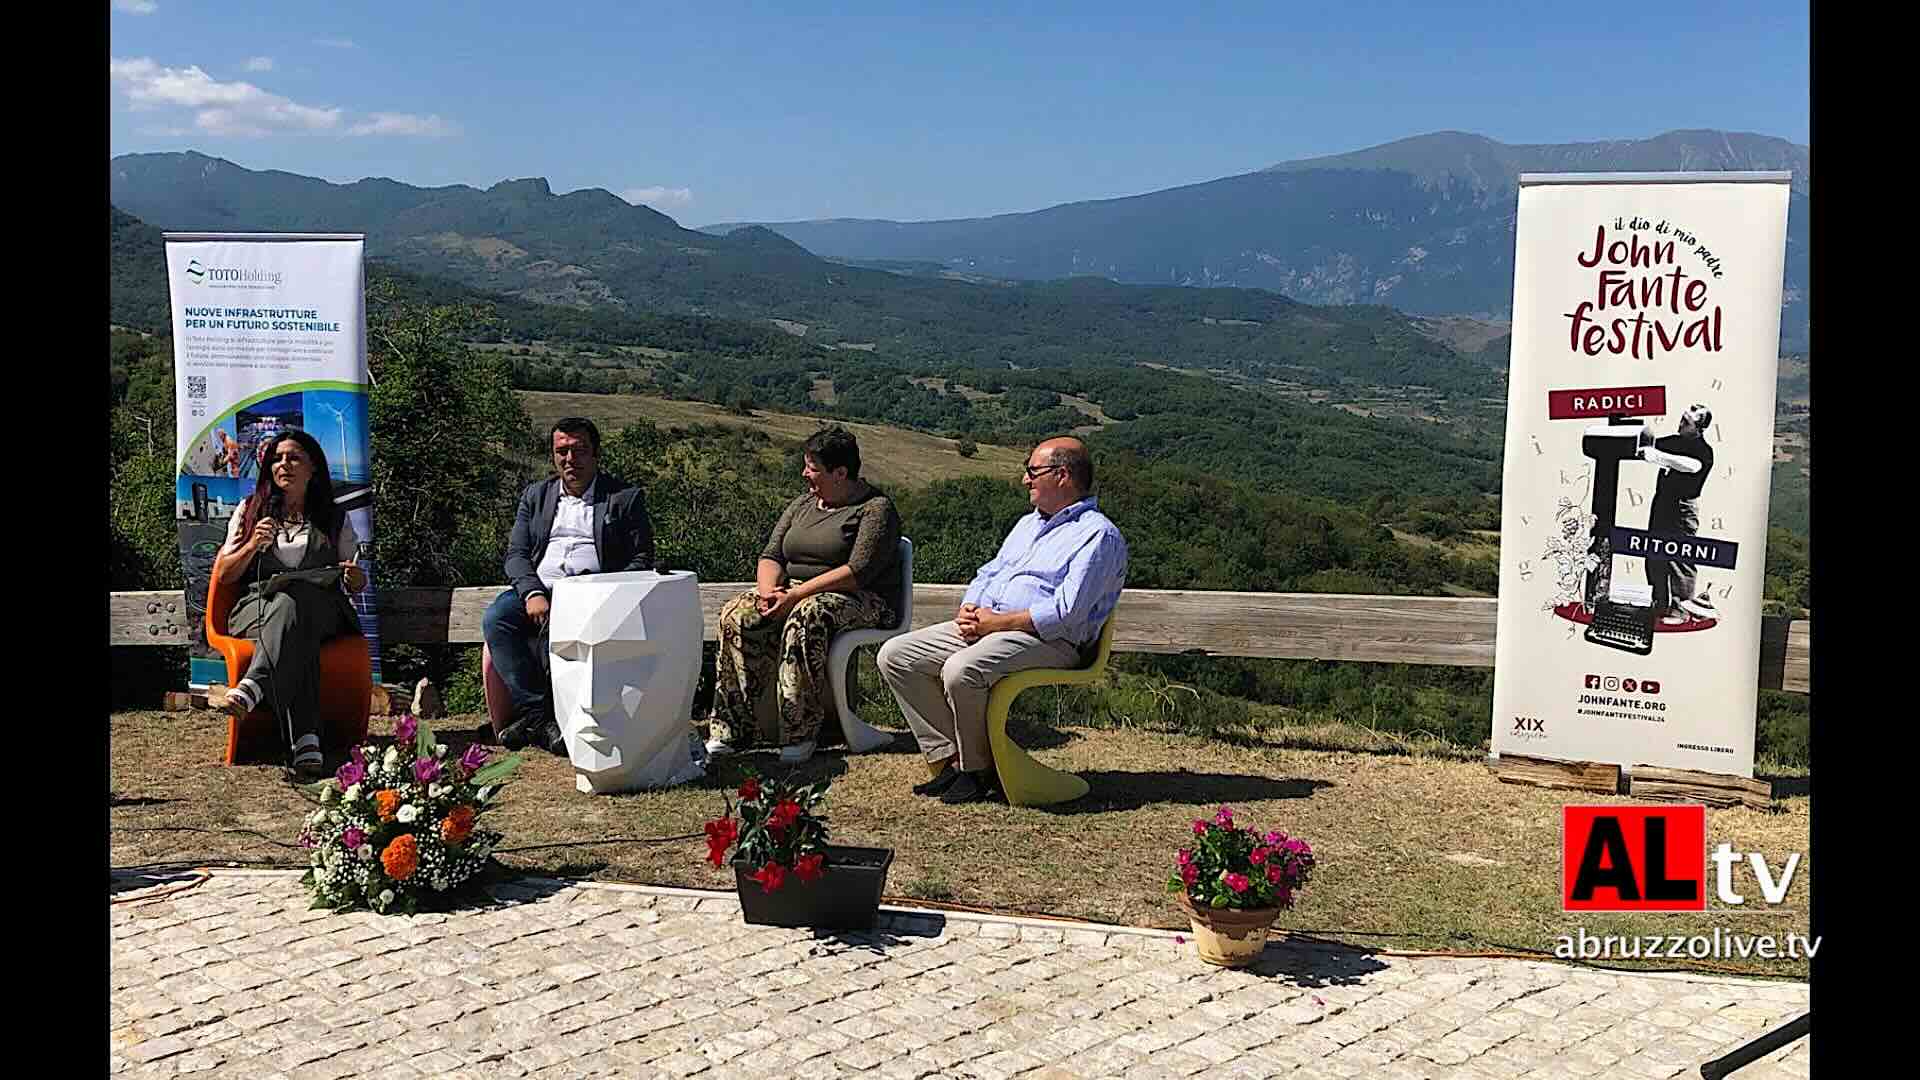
x=863 y=737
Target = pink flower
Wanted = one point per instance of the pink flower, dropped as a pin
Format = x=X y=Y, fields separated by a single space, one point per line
x=1224 y=817
x=475 y=757
x=1283 y=896
x=1185 y=857
x=353 y=838
x=425 y=770
x=1274 y=875
x=407 y=728
x=1275 y=839
x=1237 y=882
x=1257 y=855
x=1199 y=827
x=1189 y=874
x=1179 y=939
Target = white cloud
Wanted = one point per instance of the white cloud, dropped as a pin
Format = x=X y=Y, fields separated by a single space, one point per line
x=384 y=123
x=660 y=198
x=335 y=43
x=136 y=7
x=243 y=109
x=258 y=63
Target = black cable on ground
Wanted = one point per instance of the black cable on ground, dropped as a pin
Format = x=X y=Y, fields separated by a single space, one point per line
x=609 y=840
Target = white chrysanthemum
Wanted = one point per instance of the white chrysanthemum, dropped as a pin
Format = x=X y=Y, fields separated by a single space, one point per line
x=407 y=814
x=352 y=794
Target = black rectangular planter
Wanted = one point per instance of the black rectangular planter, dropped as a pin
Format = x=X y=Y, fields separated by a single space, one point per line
x=845 y=897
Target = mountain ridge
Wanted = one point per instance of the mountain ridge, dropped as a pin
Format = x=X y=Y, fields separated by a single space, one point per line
x=1422 y=224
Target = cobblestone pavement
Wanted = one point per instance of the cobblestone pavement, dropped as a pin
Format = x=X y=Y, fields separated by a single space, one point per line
x=233 y=976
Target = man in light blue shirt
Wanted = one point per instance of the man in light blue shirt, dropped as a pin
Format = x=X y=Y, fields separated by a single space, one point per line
x=1039 y=603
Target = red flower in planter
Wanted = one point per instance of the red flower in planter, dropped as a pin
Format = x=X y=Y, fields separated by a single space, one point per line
x=721 y=833
x=770 y=876
x=785 y=813
x=808 y=867
x=750 y=790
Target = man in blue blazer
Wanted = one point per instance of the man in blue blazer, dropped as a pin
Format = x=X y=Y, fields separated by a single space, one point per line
x=580 y=521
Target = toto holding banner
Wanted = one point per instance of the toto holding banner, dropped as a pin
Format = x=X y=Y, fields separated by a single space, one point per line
x=1633 y=525
x=269 y=333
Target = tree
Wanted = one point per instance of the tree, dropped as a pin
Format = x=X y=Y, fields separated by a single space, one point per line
x=966 y=448
x=448 y=442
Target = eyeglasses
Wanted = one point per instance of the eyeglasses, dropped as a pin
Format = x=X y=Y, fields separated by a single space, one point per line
x=1035 y=472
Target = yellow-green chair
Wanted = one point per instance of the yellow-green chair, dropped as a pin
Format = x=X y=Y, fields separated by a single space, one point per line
x=1026 y=781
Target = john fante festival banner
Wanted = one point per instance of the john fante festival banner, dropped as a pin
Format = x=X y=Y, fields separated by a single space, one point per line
x=1633 y=518
x=269 y=333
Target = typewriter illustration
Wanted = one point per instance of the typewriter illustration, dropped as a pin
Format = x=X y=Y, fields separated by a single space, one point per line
x=1624 y=619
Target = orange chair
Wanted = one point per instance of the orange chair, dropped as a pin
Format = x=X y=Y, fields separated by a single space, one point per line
x=346 y=682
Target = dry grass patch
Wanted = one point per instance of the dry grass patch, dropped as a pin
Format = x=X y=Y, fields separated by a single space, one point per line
x=890 y=457
x=1421 y=851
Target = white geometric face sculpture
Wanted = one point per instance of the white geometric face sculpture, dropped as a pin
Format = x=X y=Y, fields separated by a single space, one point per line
x=626 y=659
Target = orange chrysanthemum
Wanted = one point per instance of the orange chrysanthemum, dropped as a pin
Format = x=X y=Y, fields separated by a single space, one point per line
x=402 y=857
x=457 y=825
x=387 y=801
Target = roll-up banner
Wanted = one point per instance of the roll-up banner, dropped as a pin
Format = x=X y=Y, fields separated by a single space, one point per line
x=1633 y=515
x=269 y=333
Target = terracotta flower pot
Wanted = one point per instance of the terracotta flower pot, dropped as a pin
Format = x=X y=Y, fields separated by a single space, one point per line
x=1229 y=937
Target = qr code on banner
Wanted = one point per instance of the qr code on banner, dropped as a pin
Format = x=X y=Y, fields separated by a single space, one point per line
x=196 y=386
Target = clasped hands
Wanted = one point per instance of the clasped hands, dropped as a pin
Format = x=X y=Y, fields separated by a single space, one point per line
x=774 y=602
x=975 y=622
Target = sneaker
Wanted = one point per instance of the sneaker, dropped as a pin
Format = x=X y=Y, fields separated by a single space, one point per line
x=242 y=699
x=307 y=759
x=969 y=787
x=797 y=754
x=1700 y=606
x=939 y=784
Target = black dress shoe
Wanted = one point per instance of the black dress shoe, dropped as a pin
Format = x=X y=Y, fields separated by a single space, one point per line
x=968 y=787
x=555 y=742
x=939 y=784
x=517 y=735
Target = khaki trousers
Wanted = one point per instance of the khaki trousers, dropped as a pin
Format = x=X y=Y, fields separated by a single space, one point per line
x=942 y=683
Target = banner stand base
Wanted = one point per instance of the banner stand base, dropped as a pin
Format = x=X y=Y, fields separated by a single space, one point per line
x=388 y=699
x=1692 y=786
x=1563 y=775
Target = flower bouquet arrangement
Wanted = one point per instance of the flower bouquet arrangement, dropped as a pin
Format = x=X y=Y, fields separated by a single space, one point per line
x=778 y=832
x=784 y=870
x=399 y=821
x=1234 y=881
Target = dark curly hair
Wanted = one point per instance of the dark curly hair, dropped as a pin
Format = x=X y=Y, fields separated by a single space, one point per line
x=834 y=448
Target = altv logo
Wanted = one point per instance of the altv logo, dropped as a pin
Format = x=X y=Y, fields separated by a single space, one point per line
x=1653 y=858
x=1634 y=858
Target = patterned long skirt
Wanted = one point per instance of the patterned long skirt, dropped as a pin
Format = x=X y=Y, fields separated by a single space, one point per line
x=773 y=674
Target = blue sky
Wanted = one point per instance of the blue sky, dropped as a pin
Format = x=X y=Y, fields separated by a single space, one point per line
x=749 y=112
